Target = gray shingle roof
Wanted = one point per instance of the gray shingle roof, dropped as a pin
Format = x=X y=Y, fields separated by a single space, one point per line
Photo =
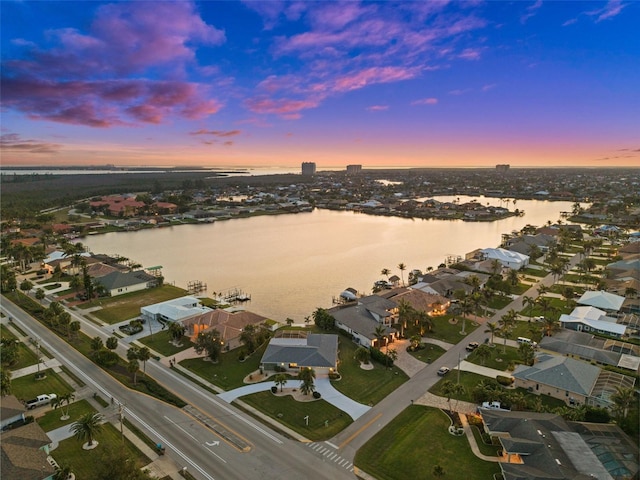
x=120 y=280
x=316 y=351
x=560 y=372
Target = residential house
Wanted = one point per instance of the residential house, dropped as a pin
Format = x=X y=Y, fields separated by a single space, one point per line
x=362 y=319
x=12 y=411
x=543 y=446
x=295 y=350
x=604 y=300
x=174 y=310
x=119 y=283
x=507 y=258
x=572 y=381
x=591 y=319
x=524 y=243
x=24 y=453
x=229 y=322
x=431 y=303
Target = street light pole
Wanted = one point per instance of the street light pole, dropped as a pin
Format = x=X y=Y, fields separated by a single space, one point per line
x=458 y=368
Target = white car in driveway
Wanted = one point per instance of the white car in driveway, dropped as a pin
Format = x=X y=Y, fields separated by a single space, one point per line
x=443 y=371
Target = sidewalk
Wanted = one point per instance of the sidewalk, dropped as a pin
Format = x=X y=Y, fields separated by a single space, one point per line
x=44 y=365
x=480 y=370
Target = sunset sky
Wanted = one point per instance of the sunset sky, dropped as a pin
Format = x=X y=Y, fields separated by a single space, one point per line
x=222 y=83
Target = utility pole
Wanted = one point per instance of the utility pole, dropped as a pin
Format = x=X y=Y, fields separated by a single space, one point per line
x=458 y=368
x=121 y=413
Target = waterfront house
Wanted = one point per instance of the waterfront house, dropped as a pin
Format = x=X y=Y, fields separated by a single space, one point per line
x=294 y=350
x=174 y=310
x=229 y=322
x=591 y=319
x=362 y=319
x=119 y=283
x=507 y=258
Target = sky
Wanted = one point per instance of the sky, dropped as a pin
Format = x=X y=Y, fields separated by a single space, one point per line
x=274 y=83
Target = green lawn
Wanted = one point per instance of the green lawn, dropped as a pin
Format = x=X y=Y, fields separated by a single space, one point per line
x=450 y=332
x=160 y=342
x=414 y=442
x=365 y=386
x=6 y=333
x=534 y=272
x=27 y=357
x=467 y=379
x=429 y=354
x=500 y=301
x=127 y=306
x=82 y=462
x=498 y=360
x=51 y=420
x=291 y=413
x=27 y=387
x=229 y=372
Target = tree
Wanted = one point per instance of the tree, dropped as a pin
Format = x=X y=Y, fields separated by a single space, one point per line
x=379 y=333
x=96 y=345
x=144 y=354
x=5 y=381
x=386 y=272
x=116 y=464
x=483 y=352
x=63 y=472
x=392 y=356
x=64 y=320
x=132 y=367
x=527 y=353
x=402 y=267
x=438 y=471
x=177 y=331
x=209 y=342
x=424 y=322
x=280 y=380
x=529 y=303
x=26 y=285
x=416 y=341
x=40 y=294
x=248 y=337
x=492 y=328
x=323 y=319
x=307 y=375
x=112 y=343
x=622 y=400
x=87 y=427
x=449 y=389
x=62 y=400
x=513 y=277
x=74 y=327
x=75 y=282
x=362 y=355
x=550 y=326
x=507 y=321
x=8 y=282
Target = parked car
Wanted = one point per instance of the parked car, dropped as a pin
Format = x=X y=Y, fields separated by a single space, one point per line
x=44 y=399
x=443 y=371
x=472 y=346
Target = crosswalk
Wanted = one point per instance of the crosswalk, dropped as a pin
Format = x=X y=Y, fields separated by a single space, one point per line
x=330 y=455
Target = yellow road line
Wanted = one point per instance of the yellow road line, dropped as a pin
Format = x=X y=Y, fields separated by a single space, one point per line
x=364 y=427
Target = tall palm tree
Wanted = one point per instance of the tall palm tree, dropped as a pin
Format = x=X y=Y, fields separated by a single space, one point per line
x=507 y=321
x=492 y=328
x=386 y=272
x=622 y=400
x=62 y=400
x=177 y=331
x=144 y=354
x=379 y=333
x=550 y=326
x=529 y=303
x=307 y=375
x=483 y=352
x=402 y=267
x=132 y=367
x=87 y=427
x=424 y=321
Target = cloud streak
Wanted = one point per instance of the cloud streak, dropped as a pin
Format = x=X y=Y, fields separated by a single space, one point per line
x=12 y=142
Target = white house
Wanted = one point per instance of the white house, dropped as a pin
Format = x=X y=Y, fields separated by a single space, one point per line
x=605 y=300
x=591 y=319
x=507 y=258
x=174 y=310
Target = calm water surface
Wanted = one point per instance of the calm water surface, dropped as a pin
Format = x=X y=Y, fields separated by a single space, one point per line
x=292 y=264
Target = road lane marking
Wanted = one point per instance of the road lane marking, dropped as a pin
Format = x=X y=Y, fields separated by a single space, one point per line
x=222 y=459
x=360 y=430
x=331 y=444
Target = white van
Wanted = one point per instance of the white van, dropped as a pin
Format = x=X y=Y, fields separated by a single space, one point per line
x=528 y=341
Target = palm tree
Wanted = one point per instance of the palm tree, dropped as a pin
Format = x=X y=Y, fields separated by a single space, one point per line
x=177 y=331
x=280 y=380
x=386 y=272
x=40 y=295
x=527 y=353
x=87 y=427
x=63 y=472
x=622 y=400
x=362 y=355
x=450 y=389
x=529 y=303
x=545 y=304
x=507 y=321
x=144 y=354
x=492 y=328
x=307 y=375
x=379 y=333
x=96 y=344
x=424 y=321
x=483 y=352
x=62 y=400
x=402 y=267
x=132 y=367
x=512 y=276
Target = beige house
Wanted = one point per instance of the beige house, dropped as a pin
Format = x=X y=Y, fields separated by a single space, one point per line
x=230 y=324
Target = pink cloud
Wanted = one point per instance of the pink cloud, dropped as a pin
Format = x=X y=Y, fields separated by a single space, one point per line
x=334 y=16
x=12 y=142
x=378 y=108
x=286 y=108
x=217 y=133
x=374 y=75
x=470 y=54
x=425 y=101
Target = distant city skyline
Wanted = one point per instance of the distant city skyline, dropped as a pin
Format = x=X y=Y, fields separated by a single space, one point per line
x=397 y=84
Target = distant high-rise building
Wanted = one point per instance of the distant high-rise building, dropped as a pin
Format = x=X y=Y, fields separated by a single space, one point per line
x=354 y=169
x=503 y=167
x=308 y=168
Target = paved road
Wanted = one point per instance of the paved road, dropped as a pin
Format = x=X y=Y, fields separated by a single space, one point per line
x=206 y=454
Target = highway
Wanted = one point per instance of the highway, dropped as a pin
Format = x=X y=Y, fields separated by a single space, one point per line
x=188 y=442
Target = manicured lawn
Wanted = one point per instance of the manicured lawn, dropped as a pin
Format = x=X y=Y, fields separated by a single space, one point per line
x=229 y=372
x=291 y=413
x=125 y=307
x=414 y=442
x=365 y=386
x=82 y=462
x=534 y=272
x=498 y=360
x=27 y=387
x=27 y=357
x=489 y=450
x=467 y=379
x=51 y=420
x=500 y=301
x=450 y=332
x=160 y=342
x=524 y=329
x=6 y=333
x=429 y=354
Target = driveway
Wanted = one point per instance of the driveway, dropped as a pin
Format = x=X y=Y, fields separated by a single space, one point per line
x=323 y=385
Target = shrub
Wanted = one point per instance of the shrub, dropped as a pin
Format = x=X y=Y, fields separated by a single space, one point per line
x=316 y=395
x=274 y=389
x=505 y=381
x=334 y=376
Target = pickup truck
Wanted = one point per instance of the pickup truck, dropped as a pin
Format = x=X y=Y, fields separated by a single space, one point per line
x=40 y=400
